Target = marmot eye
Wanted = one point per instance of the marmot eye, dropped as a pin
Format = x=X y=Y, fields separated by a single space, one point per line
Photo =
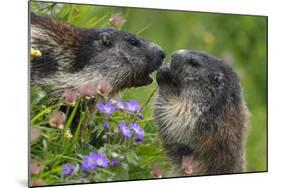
x=134 y=42
x=193 y=62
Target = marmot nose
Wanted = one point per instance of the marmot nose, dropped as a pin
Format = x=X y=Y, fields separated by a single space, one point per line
x=162 y=54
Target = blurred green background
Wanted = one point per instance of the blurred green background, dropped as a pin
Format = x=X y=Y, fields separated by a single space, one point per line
x=241 y=40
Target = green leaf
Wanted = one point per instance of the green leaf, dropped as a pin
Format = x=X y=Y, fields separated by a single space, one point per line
x=37 y=94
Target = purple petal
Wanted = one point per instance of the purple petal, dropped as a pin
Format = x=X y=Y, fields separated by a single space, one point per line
x=138 y=131
x=68 y=169
x=132 y=106
x=88 y=163
x=102 y=160
x=107 y=108
x=100 y=107
x=139 y=138
x=114 y=162
x=106 y=125
x=125 y=130
x=120 y=104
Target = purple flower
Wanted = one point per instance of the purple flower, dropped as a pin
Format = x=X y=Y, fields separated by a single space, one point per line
x=132 y=106
x=125 y=130
x=114 y=162
x=94 y=160
x=106 y=108
x=120 y=104
x=106 y=125
x=68 y=169
x=101 y=160
x=88 y=163
x=139 y=138
x=136 y=128
x=139 y=132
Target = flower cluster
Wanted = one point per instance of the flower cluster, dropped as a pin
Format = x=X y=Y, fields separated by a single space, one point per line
x=94 y=160
x=126 y=132
x=89 y=90
x=71 y=96
x=125 y=129
x=132 y=130
x=132 y=107
x=106 y=108
x=90 y=163
x=111 y=106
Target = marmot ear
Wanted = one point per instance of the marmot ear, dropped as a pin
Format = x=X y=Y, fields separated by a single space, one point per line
x=105 y=38
x=218 y=77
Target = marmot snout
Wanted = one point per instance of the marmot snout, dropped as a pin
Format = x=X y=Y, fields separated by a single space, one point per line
x=201 y=114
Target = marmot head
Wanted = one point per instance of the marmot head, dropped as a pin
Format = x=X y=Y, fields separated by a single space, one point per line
x=196 y=90
x=199 y=78
x=122 y=58
x=74 y=56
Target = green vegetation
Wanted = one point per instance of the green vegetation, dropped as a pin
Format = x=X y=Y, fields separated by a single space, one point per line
x=241 y=40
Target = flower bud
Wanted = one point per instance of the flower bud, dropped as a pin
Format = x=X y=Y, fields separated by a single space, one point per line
x=35 y=133
x=70 y=97
x=57 y=120
x=117 y=19
x=104 y=88
x=88 y=90
x=156 y=171
x=35 y=167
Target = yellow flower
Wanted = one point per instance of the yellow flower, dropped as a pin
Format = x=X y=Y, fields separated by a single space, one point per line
x=68 y=134
x=35 y=53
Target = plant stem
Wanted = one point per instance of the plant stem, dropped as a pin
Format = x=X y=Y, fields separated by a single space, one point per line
x=47 y=110
x=150 y=97
x=69 y=120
